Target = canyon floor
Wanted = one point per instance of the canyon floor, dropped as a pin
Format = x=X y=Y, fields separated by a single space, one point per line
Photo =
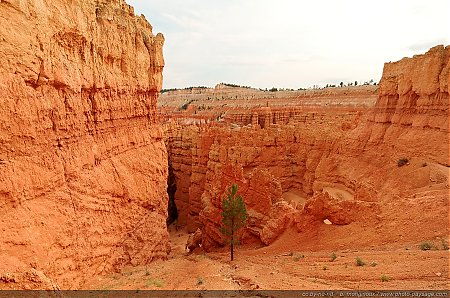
x=279 y=266
x=387 y=239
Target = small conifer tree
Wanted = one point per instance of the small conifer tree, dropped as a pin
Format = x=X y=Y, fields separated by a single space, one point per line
x=234 y=216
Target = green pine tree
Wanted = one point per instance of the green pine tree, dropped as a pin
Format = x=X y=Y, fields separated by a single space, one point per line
x=234 y=216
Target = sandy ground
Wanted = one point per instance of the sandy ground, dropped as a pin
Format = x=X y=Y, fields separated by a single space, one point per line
x=339 y=194
x=296 y=196
x=280 y=266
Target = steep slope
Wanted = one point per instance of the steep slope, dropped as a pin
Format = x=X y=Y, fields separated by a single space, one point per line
x=83 y=166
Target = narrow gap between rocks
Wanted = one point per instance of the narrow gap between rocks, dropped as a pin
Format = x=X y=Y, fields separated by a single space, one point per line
x=172 y=211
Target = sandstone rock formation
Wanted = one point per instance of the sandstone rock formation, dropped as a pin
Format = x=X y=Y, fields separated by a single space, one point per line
x=269 y=215
x=333 y=155
x=194 y=241
x=413 y=106
x=245 y=105
x=290 y=152
x=83 y=165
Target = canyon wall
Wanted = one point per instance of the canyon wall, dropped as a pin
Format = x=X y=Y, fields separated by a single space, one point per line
x=83 y=164
x=412 y=111
x=209 y=158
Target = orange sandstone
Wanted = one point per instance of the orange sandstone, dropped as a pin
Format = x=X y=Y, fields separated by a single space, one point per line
x=83 y=165
x=329 y=157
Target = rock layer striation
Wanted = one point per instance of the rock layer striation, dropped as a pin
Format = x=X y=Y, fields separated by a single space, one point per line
x=83 y=164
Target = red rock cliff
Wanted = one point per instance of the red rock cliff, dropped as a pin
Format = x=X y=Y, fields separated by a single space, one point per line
x=411 y=113
x=83 y=166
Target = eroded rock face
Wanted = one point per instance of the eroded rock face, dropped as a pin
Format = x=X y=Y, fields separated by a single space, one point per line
x=323 y=206
x=292 y=153
x=413 y=105
x=83 y=166
x=337 y=151
x=265 y=163
x=269 y=215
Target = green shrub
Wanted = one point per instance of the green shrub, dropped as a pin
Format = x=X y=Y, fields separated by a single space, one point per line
x=385 y=278
x=444 y=244
x=402 y=161
x=333 y=257
x=298 y=257
x=200 y=281
x=360 y=262
x=426 y=246
x=155 y=283
x=185 y=105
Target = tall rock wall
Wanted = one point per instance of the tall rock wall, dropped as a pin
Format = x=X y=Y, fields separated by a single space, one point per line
x=412 y=111
x=83 y=166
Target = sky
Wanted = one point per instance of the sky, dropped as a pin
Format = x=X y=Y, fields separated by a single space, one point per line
x=290 y=43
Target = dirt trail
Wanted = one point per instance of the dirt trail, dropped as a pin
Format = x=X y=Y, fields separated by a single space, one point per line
x=285 y=265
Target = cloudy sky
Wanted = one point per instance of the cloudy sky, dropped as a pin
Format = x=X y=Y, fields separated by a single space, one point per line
x=290 y=43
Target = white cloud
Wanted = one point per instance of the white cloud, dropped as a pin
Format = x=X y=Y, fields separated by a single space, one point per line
x=289 y=43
